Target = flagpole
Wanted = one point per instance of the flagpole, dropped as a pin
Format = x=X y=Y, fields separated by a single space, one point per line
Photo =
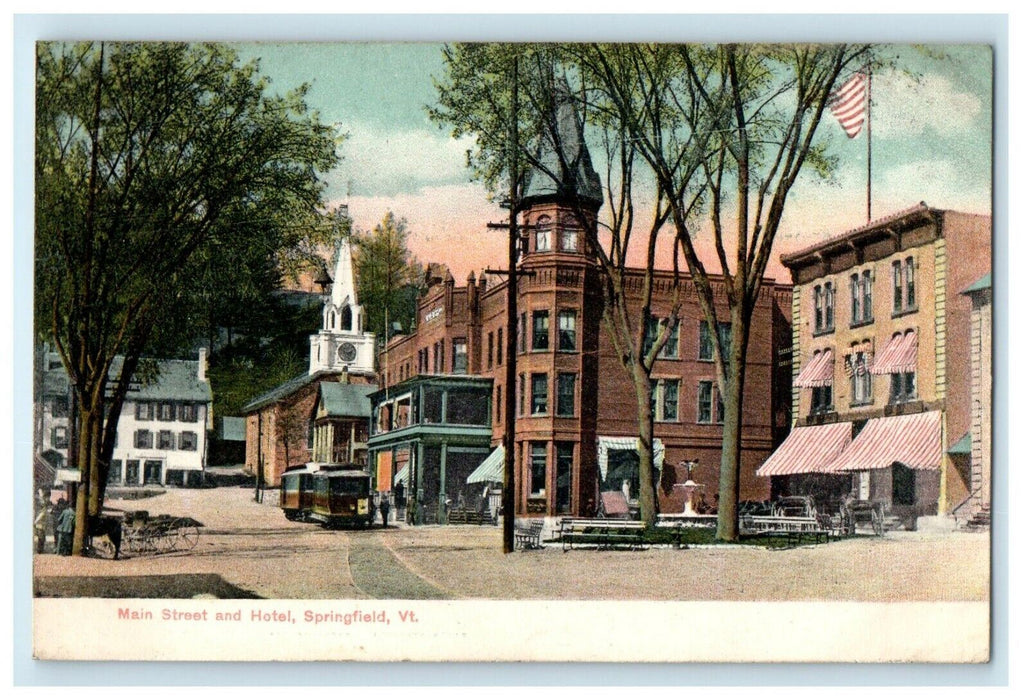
x=868 y=114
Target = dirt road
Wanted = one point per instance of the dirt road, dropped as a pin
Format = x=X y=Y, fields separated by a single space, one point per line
x=250 y=550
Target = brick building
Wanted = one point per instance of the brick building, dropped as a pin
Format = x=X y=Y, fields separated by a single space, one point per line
x=280 y=424
x=881 y=362
x=576 y=422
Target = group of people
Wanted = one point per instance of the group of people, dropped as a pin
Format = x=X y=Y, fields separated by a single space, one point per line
x=58 y=518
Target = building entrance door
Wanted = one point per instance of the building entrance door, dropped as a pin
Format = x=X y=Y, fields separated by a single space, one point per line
x=152 y=471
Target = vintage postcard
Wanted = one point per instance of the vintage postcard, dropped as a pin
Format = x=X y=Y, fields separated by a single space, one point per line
x=465 y=352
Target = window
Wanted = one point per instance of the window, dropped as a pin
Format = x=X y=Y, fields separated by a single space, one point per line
x=861 y=298
x=569 y=238
x=166 y=411
x=543 y=229
x=521 y=333
x=144 y=411
x=132 y=471
x=500 y=405
x=59 y=437
x=500 y=347
x=144 y=439
x=565 y=460
x=824 y=307
x=665 y=394
x=860 y=379
x=707 y=348
x=671 y=346
x=489 y=351
x=538 y=466
x=821 y=399
x=909 y=272
x=902 y=387
x=540 y=330
x=566 y=330
x=114 y=472
x=819 y=309
x=164 y=440
x=539 y=394
x=521 y=394
x=188 y=413
x=460 y=356
x=566 y=394
x=705 y=396
x=59 y=407
x=904 y=286
x=866 y=294
x=830 y=303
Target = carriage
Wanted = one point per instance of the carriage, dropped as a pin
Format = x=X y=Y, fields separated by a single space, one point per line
x=140 y=533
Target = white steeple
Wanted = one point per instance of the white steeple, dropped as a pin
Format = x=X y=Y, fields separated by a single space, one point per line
x=342 y=343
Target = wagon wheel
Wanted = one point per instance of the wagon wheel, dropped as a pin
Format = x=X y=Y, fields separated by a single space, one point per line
x=188 y=537
x=132 y=540
x=163 y=539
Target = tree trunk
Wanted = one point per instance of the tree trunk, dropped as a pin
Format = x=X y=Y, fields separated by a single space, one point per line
x=732 y=433
x=645 y=448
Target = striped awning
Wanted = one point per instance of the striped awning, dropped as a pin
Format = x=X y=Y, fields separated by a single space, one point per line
x=491 y=469
x=629 y=444
x=915 y=441
x=401 y=476
x=808 y=449
x=43 y=472
x=900 y=355
x=817 y=372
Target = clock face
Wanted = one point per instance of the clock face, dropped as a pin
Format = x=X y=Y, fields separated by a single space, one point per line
x=347 y=352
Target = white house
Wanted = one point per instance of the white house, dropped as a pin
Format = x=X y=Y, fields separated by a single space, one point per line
x=162 y=431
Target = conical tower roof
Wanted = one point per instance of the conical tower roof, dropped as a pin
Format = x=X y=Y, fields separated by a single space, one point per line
x=343 y=288
x=565 y=172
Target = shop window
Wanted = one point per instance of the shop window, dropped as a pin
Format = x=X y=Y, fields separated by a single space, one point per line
x=903 y=485
x=132 y=472
x=565 y=461
x=538 y=467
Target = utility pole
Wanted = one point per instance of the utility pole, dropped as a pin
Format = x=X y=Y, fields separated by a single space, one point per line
x=512 y=320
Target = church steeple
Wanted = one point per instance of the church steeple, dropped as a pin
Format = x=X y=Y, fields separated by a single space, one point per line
x=342 y=343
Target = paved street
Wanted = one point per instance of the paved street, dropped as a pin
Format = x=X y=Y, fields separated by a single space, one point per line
x=250 y=550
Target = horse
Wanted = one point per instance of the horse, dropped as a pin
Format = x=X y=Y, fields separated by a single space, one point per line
x=106 y=525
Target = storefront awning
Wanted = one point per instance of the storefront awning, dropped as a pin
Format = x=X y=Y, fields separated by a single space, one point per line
x=401 y=476
x=914 y=441
x=808 y=449
x=491 y=469
x=900 y=355
x=629 y=444
x=817 y=372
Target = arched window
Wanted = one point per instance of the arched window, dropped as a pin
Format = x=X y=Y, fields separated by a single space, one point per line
x=544 y=228
x=347 y=319
x=332 y=319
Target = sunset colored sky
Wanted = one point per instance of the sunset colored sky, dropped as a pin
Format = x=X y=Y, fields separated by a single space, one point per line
x=931 y=142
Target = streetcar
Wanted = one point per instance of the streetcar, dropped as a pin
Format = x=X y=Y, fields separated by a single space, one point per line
x=296 y=490
x=333 y=494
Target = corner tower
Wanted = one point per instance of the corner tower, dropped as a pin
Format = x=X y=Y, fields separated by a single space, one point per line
x=342 y=344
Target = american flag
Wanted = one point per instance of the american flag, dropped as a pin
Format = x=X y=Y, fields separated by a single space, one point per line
x=848 y=104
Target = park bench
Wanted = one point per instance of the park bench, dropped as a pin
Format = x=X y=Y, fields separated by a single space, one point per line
x=467 y=516
x=794 y=530
x=529 y=537
x=602 y=532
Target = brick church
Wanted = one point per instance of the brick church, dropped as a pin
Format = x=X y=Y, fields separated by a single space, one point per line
x=576 y=415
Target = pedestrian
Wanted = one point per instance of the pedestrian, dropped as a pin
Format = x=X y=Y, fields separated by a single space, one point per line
x=40 y=524
x=384 y=509
x=65 y=530
x=55 y=515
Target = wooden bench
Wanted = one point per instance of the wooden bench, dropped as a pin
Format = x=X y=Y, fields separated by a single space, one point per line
x=467 y=516
x=529 y=537
x=792 y=529
x=601 y=532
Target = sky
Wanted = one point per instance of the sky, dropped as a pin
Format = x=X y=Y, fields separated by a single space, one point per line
x=931 y=142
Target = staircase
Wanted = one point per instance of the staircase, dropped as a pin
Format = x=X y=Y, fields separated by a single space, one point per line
x=980 y=522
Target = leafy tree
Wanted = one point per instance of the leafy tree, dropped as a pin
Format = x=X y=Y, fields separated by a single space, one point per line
x=475 y=102
x=158 y=167
x=386 y=272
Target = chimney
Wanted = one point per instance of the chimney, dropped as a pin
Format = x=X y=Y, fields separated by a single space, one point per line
x=202 y=365
x=473 y=294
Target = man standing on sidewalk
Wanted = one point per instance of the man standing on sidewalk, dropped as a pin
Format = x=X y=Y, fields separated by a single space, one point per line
x=65 y=529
